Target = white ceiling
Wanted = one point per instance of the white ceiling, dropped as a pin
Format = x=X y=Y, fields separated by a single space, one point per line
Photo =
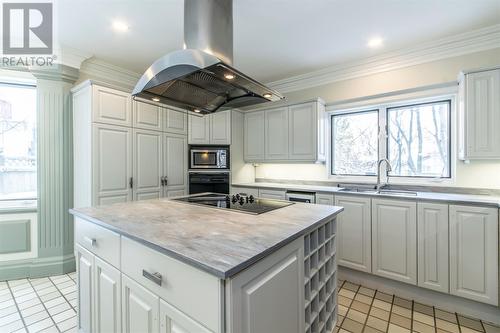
x=273 y=39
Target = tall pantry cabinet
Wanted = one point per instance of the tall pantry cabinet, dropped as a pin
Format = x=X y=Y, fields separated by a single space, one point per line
x=125 y=150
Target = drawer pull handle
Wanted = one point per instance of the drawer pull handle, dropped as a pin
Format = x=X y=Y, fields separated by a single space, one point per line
x=155 y=277
x=92 y=241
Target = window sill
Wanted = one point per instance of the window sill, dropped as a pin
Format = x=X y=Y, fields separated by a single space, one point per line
x=18 y=206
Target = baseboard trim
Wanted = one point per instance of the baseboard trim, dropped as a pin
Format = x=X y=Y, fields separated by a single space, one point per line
x=452 y=303
x=38 y=267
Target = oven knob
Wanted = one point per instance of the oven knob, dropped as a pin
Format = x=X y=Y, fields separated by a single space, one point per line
x=246 y=199
x=228 y=198
x=242 y=201
x=251 y=198
x=233 y=199
x=237 y=196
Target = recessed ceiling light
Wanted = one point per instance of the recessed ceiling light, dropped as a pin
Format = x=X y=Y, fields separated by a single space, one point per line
x=267 y=95
x=155 y=99
x=229 y=76
x=375 y=42
x=197 y=110
x=120 y=26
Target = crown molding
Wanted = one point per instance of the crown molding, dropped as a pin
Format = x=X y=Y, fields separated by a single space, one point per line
x=102 y=71
x=452 y=46
x=71 y=57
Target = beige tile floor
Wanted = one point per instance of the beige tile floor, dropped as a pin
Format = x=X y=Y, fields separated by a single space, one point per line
x=361 y=309
x=49 y=305
x=38 y=305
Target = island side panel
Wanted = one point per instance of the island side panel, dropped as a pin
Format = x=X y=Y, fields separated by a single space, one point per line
x=275 y=295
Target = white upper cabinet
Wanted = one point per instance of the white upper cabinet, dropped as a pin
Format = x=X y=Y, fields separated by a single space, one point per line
x=276 y=134
x=433 y=254
x=354 y=232
x=474 y=253
x=198 y=130
x=147 y=116
x=148 y=163
x=112 y=164
x=174 y=165
x=325 y=199
x=479 y=108
x=175 y=121
x=394 y=225
x=212 y=129
x=220 y=128
x=111 y=106
x=295 y=133
x=254 y=131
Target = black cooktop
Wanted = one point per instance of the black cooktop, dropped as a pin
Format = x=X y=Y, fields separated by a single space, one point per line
x=238 y=202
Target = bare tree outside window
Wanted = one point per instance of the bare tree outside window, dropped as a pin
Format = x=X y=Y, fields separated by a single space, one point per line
x=418 y=143
x=355 y=143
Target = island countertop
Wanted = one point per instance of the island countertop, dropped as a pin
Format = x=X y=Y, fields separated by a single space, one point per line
x=218 y=241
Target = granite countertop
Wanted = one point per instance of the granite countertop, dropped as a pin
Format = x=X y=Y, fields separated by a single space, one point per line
x=485 y=200
x=218 y=241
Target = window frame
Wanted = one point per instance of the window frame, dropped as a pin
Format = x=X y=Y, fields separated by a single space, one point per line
x=332 y=146
x=387 y=109
x=382 y=102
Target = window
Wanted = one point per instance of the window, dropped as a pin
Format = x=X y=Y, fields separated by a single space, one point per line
x=17 y=142
x=355 y=143
x=414 y=137
x=418 y=142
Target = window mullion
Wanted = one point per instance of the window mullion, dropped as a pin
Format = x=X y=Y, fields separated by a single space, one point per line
x=382 y=143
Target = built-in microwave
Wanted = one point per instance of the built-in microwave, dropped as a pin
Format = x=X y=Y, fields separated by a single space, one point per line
x=209 y=157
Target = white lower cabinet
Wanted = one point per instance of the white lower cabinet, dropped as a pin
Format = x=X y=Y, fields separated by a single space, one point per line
x=433 y=254
x=174 y=321
x=354 y=246
x=107 y=297
x=141 y=308
x=394 y=227
x=325 y=199
x=474 y=253
x=85 y=287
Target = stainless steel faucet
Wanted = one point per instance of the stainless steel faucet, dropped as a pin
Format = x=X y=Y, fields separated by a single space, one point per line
x=389 y=168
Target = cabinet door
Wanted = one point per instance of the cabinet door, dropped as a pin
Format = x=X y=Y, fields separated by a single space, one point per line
x=483 y=114
x=147 y=116
x=354 y=233
x=175 y=121
x=111 y=106
x=140 y=308
x=276 y=136
x=220 y=128
x=107 y=298
x=174 y=321
x=433 y=257
x=394 y=227
x=269 y=296
x=112 y=164
x=85 y=288
x=272 y=194
x=303 y=129
x=325 y=199
x=148 y=164
x=254 y=136
x=198 y=129
x=474 y=253
x=175 y=164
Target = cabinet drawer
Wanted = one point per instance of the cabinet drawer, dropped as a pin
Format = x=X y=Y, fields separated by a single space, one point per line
x=98 y=240
x=192 y=291
x=272 y=194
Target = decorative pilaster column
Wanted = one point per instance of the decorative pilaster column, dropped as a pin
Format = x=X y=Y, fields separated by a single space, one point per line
x=55 y=169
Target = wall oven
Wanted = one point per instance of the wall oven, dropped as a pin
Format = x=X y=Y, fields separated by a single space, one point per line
x=216 y=182
x=208 y=157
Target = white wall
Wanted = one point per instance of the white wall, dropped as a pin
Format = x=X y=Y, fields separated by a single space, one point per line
x=477 y=174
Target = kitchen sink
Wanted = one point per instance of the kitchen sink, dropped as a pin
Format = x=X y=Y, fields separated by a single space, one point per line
x=360 y=190
x=396 y=192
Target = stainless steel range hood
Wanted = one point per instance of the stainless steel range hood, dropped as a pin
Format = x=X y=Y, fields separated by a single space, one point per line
x=201 y=78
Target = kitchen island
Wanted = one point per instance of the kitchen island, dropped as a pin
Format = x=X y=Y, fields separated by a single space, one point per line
x=169 y=266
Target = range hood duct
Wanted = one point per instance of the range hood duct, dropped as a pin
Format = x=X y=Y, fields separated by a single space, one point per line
x=201 y=78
